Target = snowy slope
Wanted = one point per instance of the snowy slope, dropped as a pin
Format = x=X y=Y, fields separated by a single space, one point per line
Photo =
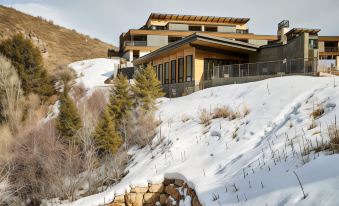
x=93 y=72
x=259 y=162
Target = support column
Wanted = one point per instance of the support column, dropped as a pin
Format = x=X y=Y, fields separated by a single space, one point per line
x=337 y=62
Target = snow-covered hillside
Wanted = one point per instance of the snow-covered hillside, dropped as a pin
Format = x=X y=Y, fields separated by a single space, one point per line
x=250 y=160
x=94 y=72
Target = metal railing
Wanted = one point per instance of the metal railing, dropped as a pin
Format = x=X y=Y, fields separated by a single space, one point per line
x=280 y=67
x=135 y=43
x=331 y=49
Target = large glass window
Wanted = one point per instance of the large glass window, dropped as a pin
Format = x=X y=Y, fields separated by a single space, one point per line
x=156 y=71
x=211 y=28
x=166 y=68
x=189 y=68
x=181 y=69
x=160 y=73
x=173 y=71
x=194 y=28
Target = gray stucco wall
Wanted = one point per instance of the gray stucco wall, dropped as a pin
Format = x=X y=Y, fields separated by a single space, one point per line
x=157 y=40
x=178 y=27
x=227 y=29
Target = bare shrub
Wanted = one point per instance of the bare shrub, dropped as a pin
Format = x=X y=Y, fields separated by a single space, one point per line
x=114 y=167
x=204 y=117
x=222 y=112
x=318 y=112
x=140 y=128
x=64 y=75
x=95 y=104
x=6 y=190
x=11 y=95
x=43 y=167
x=79 y=91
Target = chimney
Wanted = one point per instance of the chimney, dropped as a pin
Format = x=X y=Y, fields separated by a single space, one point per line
x=283 y=28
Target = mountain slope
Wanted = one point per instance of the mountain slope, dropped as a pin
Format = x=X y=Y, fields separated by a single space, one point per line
x=254 y=167
x=59 y=46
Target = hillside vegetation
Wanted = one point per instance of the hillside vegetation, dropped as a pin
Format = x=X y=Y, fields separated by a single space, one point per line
x=59 y=46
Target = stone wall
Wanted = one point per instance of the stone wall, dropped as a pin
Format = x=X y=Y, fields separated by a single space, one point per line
x=170 y=193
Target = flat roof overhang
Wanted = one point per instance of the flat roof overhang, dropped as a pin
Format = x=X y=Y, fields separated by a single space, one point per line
x=328 y=38
x=211 y=19
x=203 y=41
x=137 y=32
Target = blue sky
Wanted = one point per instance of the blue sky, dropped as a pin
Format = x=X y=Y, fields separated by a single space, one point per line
x=107 y=19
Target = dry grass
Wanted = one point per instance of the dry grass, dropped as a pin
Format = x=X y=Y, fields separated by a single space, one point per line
x=333 y=133
x=204 y=117
x=222 y=112
x=185 y=118
x=63 y=45
x=318 y=112
x=245 y=110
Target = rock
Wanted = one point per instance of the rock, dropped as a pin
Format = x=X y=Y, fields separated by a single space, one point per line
x=138 y=199
x=119 y=199
x=179 y=183
x=130 y=198
x=117 y=204
x=156 y=188
x=163 y=199
x=151 y=197
x=173 y=192
x=195 y=201
x=168 y=182
x=139 y=189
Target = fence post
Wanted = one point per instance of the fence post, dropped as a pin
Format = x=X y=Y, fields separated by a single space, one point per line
x=248 y=69
x=239 y=71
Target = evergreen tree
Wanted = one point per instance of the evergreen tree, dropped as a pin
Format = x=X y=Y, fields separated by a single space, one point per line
x=120 y=98
x=69 y=121
x=106 y=137
x=147 y=88
x=27 y=60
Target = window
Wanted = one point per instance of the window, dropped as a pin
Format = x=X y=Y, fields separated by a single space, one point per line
x=313 y=43
x=181 y=69
x=242 y=31
x=194 y=28
x=211 y=28
x=166 y=68
x=189 y=68
x=173 y=39
x=160 y=72
x=155 y=70
x=173 y=71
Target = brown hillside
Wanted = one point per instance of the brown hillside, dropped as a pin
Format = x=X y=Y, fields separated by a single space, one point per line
x=58 y=45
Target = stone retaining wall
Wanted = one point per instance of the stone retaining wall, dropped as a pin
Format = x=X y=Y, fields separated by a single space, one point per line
x=169 y=193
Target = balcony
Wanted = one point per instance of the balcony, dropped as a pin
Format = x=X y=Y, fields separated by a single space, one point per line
x=331 y=49
x=135 y=43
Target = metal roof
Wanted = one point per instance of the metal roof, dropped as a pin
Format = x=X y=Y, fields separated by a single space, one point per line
x=209 y=19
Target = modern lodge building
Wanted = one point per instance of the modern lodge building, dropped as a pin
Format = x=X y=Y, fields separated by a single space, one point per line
x=194 y=52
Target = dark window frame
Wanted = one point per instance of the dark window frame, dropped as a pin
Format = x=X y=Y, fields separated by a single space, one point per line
x=173 y=71
x=166 y=73
x=181 y=68
x=189 y=78
x=161 y=73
